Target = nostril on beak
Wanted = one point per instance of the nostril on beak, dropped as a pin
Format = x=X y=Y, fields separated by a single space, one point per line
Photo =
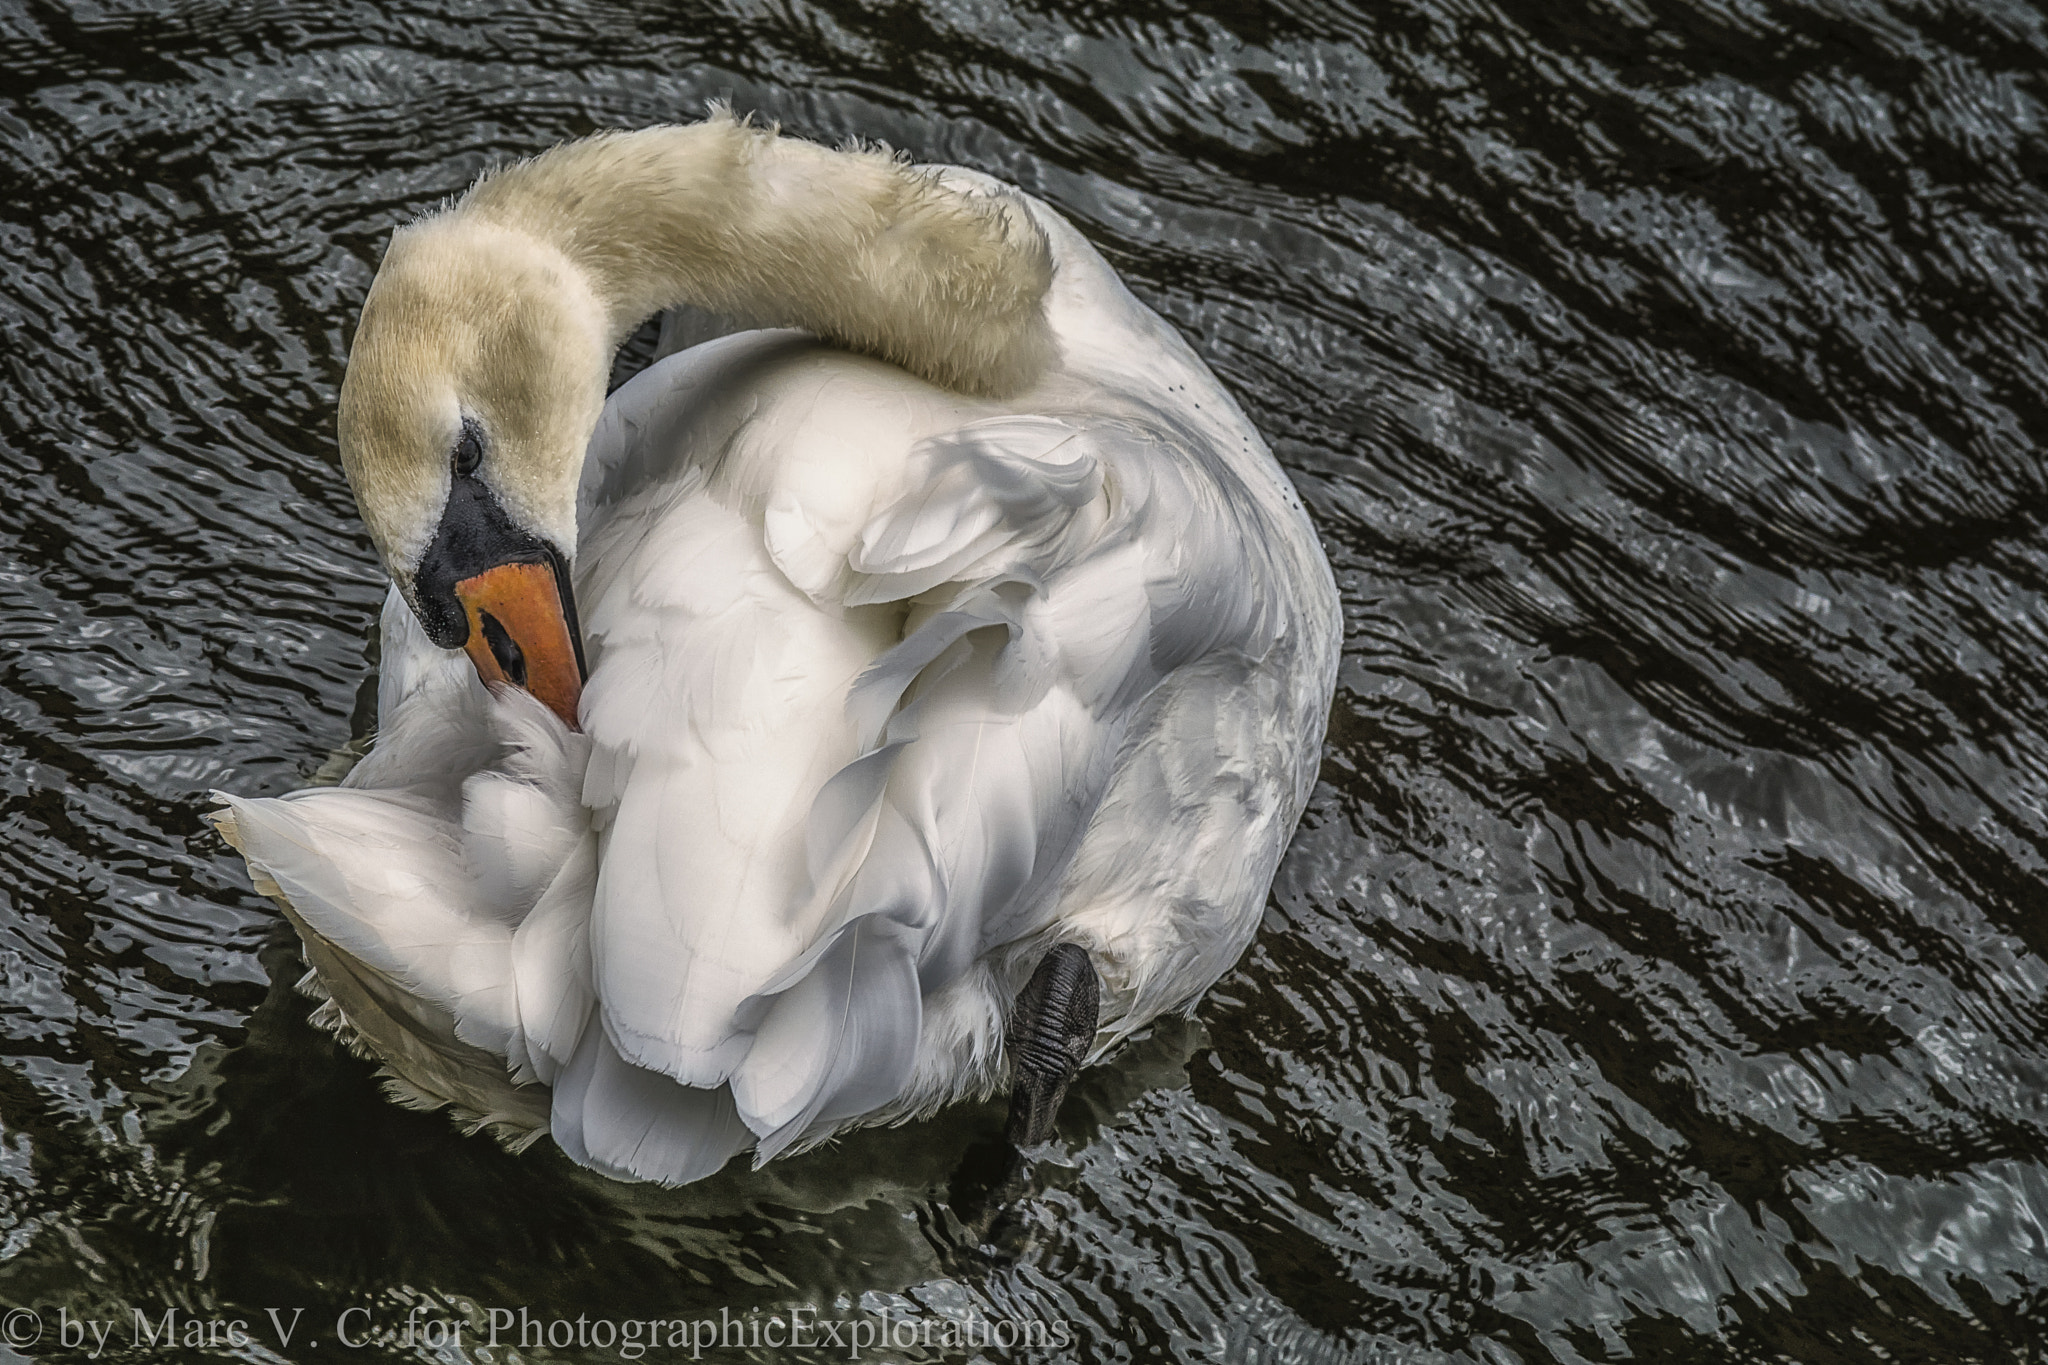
x=505 y=650
x=519 y=632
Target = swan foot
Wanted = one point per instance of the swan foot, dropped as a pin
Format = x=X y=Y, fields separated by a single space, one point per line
x=1052 y=1026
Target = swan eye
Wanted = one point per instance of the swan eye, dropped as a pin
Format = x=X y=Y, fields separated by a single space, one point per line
x=469 y=448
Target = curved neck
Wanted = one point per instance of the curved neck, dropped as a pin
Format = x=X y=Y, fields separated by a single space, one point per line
x=854 y=246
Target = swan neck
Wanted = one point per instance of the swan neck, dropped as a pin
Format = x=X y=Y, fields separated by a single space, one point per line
x=767 y=231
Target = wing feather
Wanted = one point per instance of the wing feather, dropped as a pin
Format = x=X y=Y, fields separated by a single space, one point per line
x=635 y=1124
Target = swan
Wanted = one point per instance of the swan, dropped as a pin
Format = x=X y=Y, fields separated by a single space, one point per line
x=909 y=692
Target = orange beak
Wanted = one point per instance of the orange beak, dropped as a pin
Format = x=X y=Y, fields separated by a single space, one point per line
x=519 y=635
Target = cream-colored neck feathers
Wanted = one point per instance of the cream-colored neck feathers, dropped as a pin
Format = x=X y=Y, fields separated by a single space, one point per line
x=772 y=232
x=506 y=307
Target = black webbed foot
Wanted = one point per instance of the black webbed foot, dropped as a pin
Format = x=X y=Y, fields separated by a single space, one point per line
x=1051 y=1028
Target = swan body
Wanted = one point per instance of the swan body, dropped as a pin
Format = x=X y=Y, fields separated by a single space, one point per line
x=956 y=614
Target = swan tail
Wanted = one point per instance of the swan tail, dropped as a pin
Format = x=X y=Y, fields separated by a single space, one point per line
x=466 y=984
x=378 y=877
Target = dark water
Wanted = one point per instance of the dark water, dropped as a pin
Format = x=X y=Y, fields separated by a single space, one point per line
x=1659 y=973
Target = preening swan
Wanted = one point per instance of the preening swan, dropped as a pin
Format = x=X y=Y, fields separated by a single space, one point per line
x=843 y=719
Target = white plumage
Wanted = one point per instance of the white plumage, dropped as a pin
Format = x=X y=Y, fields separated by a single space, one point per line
x=890 y=689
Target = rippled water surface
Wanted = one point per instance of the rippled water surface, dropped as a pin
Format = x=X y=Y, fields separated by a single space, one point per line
x=1659 y=972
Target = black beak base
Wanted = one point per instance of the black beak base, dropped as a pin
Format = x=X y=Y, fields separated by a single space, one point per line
x=476 y=535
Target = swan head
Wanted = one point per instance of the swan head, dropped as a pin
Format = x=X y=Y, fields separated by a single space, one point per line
x=477 y=374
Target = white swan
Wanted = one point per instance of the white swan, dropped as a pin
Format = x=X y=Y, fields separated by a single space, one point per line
x=983 y=627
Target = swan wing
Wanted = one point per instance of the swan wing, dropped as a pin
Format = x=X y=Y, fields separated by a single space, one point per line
x=890 y=702
x=1080 y=565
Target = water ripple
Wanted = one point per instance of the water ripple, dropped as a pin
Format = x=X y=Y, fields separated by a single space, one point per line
x=1661 y=968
